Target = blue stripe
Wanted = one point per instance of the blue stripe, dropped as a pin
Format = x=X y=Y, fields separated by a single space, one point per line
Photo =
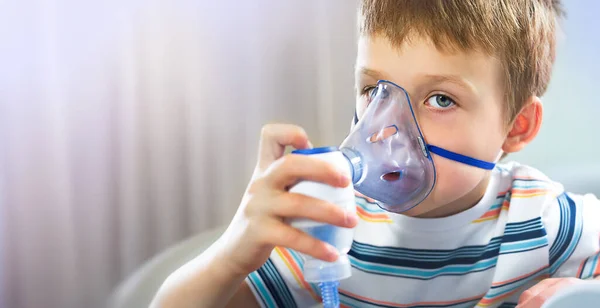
x=525 y=227
x=526 y=278
x=561 y=234
x=521 y=231
x=539 y=233
x=519 y=247
x=427 y=262
x=515 y=231
x=280 y=283
x=531 y=186
x=421 y=274
x=502 y=168
x=274 y=283
x=430 y=254
x=531 y=180
x=520 y=224
x=368 y=206
x=496 y=206
x=530 y=183
x=265 y=295
x=300 y=263
x=507 y=252
x=507 y=288
x=296 y=258
x=352 y=301
x=569 y=233
x=591 y=274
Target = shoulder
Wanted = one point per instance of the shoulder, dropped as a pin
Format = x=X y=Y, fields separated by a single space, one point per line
x=529 y=192
x=529 y=187
x=571 y=221
x=526 y=180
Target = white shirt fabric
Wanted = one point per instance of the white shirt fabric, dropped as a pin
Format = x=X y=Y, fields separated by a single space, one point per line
x=524 y=229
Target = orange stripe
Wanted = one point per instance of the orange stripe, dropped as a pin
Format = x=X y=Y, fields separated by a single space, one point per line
x=484 y=219
x=520 y=277
x=493 y=214
x=597 y=270
x=487 y=302
x=295 y=269
x=528 y=178
x=529 y=196
x=580 y=269
x=364 y=215
x=371 y=215
x=370 y=300
x=529 y=191
x=357 y=194
x=501 y=194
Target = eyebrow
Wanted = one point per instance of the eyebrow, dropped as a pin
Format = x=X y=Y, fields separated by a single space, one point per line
x=377 y=75
x=429 y=79
x=454 y=79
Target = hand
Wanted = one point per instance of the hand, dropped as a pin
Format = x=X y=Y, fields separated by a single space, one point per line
x=537 y=295
x=258 y=226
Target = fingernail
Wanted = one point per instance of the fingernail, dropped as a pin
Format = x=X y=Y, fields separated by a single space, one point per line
x=351 y=218
x=344 y=180
x=310 y=146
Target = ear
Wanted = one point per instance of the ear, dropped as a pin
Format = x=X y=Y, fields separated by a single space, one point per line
x=525 y=127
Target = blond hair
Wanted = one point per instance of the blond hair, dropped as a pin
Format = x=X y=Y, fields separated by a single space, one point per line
x=520 y=33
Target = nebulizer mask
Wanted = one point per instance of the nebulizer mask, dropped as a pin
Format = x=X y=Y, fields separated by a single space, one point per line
x=389 y=157
x=388 y=160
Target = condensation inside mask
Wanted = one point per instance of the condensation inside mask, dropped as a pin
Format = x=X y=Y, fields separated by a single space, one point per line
x=390 y=159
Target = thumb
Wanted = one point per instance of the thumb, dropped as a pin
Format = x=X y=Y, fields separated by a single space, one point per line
x=273 y=140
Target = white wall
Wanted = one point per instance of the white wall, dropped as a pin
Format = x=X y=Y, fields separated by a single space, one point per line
x=569 y=138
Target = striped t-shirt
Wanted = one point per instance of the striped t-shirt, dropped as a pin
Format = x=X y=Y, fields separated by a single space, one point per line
x=524 y=229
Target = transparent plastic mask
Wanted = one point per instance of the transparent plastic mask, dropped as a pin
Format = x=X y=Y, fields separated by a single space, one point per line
x=388 y=153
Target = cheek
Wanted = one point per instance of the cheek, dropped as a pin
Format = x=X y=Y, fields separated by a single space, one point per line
x=478 y=136
x=454 y=180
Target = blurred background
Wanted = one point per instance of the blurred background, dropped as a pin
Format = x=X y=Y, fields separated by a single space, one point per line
x=127 y=126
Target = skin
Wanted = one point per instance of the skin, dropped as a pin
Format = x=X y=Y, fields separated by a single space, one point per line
x=458 y=101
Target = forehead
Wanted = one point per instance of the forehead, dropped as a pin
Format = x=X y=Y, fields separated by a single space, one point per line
x=418 y=57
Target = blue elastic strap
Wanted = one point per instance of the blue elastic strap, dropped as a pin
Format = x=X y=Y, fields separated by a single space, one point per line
x=461 y=158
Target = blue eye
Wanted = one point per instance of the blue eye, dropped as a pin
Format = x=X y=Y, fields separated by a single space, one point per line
x=369 y=91
x=373 y=92
x=440 y=101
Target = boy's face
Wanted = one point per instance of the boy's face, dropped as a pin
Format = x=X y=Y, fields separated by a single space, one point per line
x=458 y=101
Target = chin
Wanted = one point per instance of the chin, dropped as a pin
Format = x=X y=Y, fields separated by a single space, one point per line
x=422 y=209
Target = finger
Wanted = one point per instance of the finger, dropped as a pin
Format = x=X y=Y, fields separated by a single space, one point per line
x=546 y=293
x=291 y=205
x=293 y=168
x=535 y=290
x=289 y=237
x=275 y=137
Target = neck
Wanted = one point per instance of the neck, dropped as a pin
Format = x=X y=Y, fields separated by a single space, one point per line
x=462 y=204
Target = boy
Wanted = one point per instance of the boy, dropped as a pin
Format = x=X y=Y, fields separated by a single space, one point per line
x=474 y=71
